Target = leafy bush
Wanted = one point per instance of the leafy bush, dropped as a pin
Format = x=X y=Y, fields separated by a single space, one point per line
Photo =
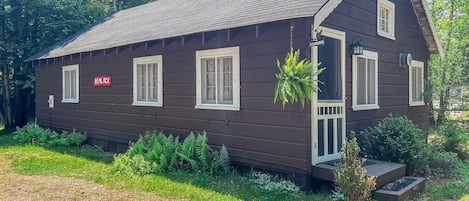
x=123 y=164
x=163 y=153
x=350 y=176
x=274 y=184
x=396 y=139
x=442 y=163
x=455 y=138
x=34 y=135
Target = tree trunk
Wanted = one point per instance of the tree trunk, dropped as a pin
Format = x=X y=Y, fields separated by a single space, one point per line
x=21 y=117
x=7 y=120
x=444 y=95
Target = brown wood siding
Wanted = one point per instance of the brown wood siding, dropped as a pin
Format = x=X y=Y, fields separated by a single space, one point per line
x=260 y=134
x=358 y=18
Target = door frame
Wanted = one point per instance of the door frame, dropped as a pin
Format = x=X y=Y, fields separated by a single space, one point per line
x=339 y=35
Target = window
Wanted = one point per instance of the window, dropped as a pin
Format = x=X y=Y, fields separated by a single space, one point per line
x=217 y=73
x=148 y=81
x=70 y=84
x=365 y=81
x=416 y=83
x=385 y=19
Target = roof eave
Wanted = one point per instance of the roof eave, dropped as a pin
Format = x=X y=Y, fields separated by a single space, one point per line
x=427 y=25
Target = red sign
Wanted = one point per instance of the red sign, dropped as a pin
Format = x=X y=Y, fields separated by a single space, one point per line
x=102 y=81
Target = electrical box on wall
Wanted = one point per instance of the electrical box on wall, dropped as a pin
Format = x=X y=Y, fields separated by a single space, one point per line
x=51 y=101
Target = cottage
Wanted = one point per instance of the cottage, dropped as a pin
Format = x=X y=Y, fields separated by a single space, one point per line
x=205 y=65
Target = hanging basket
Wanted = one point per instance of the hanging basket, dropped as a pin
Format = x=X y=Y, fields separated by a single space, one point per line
x=295 y=80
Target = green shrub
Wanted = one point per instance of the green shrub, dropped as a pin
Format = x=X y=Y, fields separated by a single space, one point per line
x=274 y=184
x=396 y=139
x=34 y=135
x=166 y=153
x=455 y=138
x=350 y=176
x=442 y=163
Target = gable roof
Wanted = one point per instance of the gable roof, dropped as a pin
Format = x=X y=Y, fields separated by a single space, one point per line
x=170 y=18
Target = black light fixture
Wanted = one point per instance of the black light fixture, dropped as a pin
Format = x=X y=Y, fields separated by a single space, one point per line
x=356 y=47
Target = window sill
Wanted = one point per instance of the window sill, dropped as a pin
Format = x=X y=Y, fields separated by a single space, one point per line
x=365 y=107
x=218 y=107
x=386 y=35
x=417 y=103
x=151 y=104
x=70 y=101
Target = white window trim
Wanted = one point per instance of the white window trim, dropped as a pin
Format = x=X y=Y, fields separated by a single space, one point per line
x=77 y=83
x=145 y=60
x=229 y=51
x=392 y=19
x=355 y=105
x=418 y=64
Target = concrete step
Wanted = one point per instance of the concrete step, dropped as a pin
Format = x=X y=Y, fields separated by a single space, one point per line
x=400 y=189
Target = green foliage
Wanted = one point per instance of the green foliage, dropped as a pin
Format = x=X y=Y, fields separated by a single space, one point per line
x=396 y=139
x=124 y=164
x=350 y=176
x=455 y=138
x=295 y=79
x=34 y=135
x=442 y=164
x=28 y=27
x=452 y=70
x=274 y=184
x=165 y=153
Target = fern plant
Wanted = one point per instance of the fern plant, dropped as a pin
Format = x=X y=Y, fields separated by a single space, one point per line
x=295 y=79
x=202 y=151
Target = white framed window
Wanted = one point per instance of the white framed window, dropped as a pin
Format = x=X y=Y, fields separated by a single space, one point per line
x=148 y=81
x=416 y=87
x=70 y=84
x=217 y=75
x=386 y=19
x=365 y=81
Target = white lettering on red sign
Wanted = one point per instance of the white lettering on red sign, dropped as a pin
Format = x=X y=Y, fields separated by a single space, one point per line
x=102 y=81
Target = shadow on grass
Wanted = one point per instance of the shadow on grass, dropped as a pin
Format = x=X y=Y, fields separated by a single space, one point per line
x=86 y=151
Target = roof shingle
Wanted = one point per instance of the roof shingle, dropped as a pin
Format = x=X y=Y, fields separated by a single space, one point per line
x=170 y=18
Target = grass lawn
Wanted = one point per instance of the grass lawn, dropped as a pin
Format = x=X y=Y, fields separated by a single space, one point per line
x=88 y=163
x=93 y=165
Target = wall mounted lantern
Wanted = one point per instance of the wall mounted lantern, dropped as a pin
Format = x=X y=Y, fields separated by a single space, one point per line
x=356 y=47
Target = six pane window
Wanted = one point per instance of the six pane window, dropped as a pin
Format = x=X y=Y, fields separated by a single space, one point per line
x=218 y=79
x=70 y=84
x=148 y=83
x=385 y=19
x=365 y=81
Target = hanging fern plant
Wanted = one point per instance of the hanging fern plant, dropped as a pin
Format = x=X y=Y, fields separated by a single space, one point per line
x=295 y=79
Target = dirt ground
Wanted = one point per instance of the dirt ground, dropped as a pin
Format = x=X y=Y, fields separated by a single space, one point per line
x=17 y=187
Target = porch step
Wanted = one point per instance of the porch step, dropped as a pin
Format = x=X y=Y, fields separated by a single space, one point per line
x=400 y=189
x=385 y=172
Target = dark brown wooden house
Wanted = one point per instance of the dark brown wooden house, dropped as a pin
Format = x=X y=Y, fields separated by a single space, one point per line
x=205 y=65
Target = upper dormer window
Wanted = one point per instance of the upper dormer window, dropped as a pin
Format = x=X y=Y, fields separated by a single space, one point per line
x=385 y=19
